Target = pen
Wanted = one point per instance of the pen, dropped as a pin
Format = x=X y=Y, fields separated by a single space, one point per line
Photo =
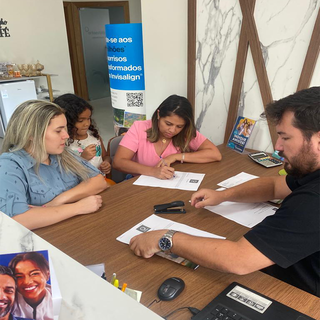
x=116 y=283
x=165 y=164
x=114 y=275
x=124 y=287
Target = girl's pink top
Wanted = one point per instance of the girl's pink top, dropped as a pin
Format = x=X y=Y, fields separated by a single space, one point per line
x=136 y=140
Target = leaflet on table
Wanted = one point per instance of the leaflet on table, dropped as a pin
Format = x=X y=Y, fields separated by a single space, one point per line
x=236 y=180
x=240 y=178
x=246 y=214
x=156 y=223
x=182 y=180
x=37 y=267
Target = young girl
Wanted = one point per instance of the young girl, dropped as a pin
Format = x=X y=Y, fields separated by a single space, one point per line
x=84 y=138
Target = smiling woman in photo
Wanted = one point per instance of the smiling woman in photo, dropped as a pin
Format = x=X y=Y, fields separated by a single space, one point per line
x=34 y=299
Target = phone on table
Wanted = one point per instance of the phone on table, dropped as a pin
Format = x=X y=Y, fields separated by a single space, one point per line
x=264 y=159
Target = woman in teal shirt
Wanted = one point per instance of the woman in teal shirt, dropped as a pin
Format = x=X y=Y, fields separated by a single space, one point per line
x=42 y=182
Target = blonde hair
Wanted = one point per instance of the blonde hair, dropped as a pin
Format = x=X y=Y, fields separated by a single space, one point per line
x=26 y=130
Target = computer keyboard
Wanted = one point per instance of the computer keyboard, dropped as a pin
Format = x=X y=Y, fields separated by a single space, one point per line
x=218 y=312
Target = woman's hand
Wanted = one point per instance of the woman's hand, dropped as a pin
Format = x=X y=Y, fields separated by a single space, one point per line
x=167 y=161
x=164 y=172
x=89 y=152
x=89 y=204
x=105 y=167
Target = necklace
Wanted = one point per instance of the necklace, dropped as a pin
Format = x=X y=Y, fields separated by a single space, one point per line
x=164 y=140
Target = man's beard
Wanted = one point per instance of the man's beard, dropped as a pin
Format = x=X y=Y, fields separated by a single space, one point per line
x=303 y=163
x=7 y=309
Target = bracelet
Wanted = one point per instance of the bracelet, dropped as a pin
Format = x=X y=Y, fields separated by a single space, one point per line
x=182 y=158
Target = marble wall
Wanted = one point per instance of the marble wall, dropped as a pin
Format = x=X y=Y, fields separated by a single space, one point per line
x=284 y=29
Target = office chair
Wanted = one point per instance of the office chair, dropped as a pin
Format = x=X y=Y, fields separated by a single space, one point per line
x=116 y=176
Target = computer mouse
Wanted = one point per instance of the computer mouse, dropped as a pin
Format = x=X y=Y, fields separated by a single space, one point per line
x=170 y=289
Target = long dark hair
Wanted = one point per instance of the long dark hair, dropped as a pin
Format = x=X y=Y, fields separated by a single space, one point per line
x=180 y=106
x=37 y=257
x=74 y=106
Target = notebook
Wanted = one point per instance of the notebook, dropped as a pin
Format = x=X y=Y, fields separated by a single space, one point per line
x=238 y=302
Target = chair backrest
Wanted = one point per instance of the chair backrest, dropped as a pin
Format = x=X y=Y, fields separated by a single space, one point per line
x=116 y=176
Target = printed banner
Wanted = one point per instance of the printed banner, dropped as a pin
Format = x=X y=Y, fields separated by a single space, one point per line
x=126 y=72
x=241 y=133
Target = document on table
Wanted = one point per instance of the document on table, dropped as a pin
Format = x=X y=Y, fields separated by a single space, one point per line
x=156 y=223
x=246 y=214
x=237 y=179
x=182 y=180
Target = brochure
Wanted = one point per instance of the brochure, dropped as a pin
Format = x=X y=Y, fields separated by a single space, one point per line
x=34 y=279
x=154 y=222
x=241 y=133
x=181 y=180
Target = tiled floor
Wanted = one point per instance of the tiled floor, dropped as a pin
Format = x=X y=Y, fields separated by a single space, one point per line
x=103 y=116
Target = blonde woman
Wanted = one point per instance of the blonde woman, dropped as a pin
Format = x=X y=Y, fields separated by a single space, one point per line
x=151 y=146
x=42 y=183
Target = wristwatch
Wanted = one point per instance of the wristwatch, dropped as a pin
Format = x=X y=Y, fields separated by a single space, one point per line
x=165 y=242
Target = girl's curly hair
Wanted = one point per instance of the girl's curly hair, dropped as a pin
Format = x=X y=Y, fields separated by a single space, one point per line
x=74 y=106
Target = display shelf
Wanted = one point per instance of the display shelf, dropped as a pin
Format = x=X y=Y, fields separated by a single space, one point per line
x=23 y=78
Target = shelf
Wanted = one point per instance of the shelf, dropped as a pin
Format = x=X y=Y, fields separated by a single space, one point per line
x=48 y=77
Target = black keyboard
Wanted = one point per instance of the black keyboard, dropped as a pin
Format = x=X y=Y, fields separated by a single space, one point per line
x=218 y=312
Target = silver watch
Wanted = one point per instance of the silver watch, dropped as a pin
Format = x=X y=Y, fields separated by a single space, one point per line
x=165 y=242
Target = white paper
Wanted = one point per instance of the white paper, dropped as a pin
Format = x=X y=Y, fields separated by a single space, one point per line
x=246 y=214
x=236 y=180
x=182 y=180
x=56 y=294
x=98 y=269
x=156 y=223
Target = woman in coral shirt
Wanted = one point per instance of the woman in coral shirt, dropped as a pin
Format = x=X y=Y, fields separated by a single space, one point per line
x=151 y=146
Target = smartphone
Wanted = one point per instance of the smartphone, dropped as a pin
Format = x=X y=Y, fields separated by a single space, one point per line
x=264 y=159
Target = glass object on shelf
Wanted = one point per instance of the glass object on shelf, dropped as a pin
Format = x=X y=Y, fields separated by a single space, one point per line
x=10 y=70
x=39 y=68
x=33 y=70
x=25 y=69
x=21 y=69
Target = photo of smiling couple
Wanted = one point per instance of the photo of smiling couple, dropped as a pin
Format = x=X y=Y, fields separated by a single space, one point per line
x=25 y=290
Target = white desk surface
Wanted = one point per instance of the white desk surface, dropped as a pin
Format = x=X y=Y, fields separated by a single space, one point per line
x=85 y=296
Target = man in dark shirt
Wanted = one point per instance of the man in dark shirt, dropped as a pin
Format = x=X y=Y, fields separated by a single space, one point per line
x=287 y=244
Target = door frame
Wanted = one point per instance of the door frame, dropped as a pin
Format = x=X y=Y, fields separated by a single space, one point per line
x=72 y=17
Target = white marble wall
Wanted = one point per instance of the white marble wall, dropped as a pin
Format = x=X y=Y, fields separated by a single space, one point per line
x=284 y=29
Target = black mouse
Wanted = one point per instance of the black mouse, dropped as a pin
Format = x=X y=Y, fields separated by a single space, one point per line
x=170 y=289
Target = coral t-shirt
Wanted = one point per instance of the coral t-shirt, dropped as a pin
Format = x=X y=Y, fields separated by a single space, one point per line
x=136 y=140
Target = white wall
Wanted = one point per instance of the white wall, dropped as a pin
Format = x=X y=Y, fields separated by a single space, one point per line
x=37 y=29
x=164 y=24
x=38 y=32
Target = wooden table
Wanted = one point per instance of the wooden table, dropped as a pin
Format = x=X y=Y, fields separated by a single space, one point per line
x=91 y=239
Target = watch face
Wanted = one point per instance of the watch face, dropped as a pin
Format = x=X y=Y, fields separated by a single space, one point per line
x=165 y=244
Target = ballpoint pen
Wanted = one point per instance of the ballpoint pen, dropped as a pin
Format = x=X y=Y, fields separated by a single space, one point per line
x=166 y=165
x=114 y=275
